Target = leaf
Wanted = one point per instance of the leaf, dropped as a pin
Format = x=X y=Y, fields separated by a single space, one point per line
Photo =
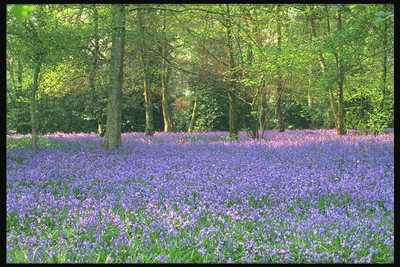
x=380 y=13
x=381 y=16
x=336 y=7
x=21 y=12
x=73 y=6
x=357 y=6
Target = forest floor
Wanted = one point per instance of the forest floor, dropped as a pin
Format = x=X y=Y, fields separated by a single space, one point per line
x=301 y=196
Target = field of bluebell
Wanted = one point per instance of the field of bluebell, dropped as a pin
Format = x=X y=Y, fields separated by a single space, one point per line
x=299 y=196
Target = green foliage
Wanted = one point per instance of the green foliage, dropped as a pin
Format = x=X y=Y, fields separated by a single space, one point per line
x=212 y=115
x=62 y=38
x=21 y=12
x=252 y=120
x=382 y=15
x=231 y=137
x=378 y=122
x=298 y=115
x=26 y=142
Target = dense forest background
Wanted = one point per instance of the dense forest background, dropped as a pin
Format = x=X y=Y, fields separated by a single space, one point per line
x=200 y=67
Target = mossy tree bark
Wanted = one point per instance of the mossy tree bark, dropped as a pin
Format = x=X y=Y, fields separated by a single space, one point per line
x=232 y=90
x=113 y=132
x=341 y=128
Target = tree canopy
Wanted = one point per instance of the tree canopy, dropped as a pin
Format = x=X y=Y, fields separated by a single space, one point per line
x=220 y=67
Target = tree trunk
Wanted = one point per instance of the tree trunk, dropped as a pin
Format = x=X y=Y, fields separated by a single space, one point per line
x=168 y=123
x=19 y=75
x=323 y=65
x=232 y=90
x=101 y=130
x=18 y=85
x=278 y=110
x=113 y=133
x=165 y=50
x=309 y=96
x=341 y=130
x=384 y=62
x=34 y=88
x=93 y=69
x=279 y=88
x=254 y=123
x=233 y=117
x=164 y=102
x=262 y=114
x=259 y=100
x=194 y=113
x=149 y=129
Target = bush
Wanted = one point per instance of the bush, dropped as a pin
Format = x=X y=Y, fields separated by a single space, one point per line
x=26 y=142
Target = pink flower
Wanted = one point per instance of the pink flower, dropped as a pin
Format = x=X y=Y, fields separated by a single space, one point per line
x=183 y=141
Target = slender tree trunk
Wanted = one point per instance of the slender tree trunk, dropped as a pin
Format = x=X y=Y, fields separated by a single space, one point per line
x=323 y=66
x=254 y=118
x=330 y=83
x=261 y=118
x=35 y=85
x=194 y=114
x=265 y=116
x=384 y=63
x=164 y=102
x=34 y=88
x=165 y=83
x=19 y=74
x=149 y=129
x=253 y=107
x=101 y=130
x=278 y=112
x=93 y=69
x=17 y=84
x=261 y=111
x=168 y=122
x=309 y=96
x=233 y=117
x=279 y=88
x=232 y=90
x=113 y=133
x=341 y=130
